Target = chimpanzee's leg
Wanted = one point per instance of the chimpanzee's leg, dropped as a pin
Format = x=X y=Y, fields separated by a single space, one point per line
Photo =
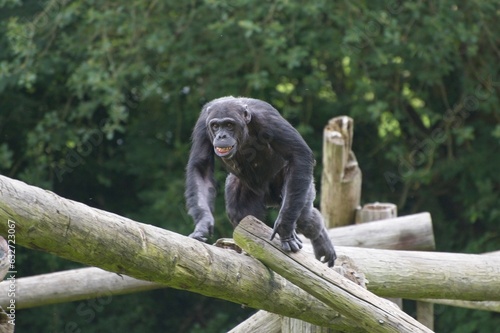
x=311 y=225
x=241 y=201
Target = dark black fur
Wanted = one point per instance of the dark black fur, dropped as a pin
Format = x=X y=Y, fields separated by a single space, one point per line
x=270 y=164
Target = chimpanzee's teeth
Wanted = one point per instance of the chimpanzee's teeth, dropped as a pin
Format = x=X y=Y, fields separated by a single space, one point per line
x=224 y=149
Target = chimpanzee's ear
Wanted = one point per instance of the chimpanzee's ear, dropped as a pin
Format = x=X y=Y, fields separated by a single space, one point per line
x=246 y=114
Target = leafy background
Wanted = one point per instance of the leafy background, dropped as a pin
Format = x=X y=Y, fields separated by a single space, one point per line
x=98 y=99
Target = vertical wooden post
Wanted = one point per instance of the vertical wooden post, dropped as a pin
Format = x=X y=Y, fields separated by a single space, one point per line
x=425 y=314
x=341 y=178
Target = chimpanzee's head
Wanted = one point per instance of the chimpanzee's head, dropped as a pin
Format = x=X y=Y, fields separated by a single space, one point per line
x=226 y=123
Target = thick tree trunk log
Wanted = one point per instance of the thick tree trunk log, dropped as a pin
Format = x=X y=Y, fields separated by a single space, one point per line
x=373 y=313
x=414 y=231
x=77 y=232
x=45 y=221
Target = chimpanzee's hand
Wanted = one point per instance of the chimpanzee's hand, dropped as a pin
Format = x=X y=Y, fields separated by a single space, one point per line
x=288 y=237
x=203 y=229
x=323 y=248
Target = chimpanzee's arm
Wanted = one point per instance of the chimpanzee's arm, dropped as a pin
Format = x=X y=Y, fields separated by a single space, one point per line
x=287 y=142
x=200 y=183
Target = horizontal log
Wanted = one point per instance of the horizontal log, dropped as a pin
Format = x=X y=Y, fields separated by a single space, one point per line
x=99 y=282
x=478 y=305
x=411 y=232
x=416 y=274
x=379 y=234
x=71 y=285
x=373 y=313
x=71 y=230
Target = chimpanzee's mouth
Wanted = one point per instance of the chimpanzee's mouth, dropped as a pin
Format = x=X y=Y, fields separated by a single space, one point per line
x=223 y=151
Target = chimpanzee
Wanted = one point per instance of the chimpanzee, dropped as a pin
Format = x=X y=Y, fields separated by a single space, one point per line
x=269 y=164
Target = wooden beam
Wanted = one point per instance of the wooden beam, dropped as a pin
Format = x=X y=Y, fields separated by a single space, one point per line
x=415 y=231
x=373 y=313
x=72 y=285
x=416 y=274
x=410 y=232
x=72 y=230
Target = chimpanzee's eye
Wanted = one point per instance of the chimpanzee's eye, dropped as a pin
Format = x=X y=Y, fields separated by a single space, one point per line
x=215 y=127
x=229 y=126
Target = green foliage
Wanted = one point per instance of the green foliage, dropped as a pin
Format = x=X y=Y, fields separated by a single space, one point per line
x=98 y=100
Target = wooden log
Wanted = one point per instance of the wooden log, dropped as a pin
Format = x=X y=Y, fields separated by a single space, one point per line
x=411 y=232
x=98 y=281
x=352 y=301
x=416 y=274
x=72 y=285
x=71 y=230
x=475 y=305
x=341 y=176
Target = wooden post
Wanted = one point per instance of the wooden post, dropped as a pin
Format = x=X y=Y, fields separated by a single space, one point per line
x=425 y=314
x=376 y=211
x=341 y=177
